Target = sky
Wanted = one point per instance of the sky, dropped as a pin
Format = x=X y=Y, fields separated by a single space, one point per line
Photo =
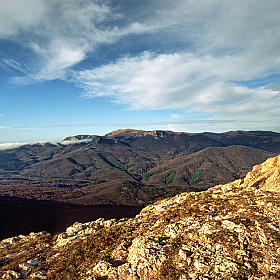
x=71 y=67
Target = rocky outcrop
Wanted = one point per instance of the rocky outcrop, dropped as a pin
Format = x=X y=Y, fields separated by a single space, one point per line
x=231 y=231
x=78 y=137
x=137 y=133
x=266 y=176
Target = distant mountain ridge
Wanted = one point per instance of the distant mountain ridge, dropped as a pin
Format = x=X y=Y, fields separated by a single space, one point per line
x=132 y=167
x=265 y=140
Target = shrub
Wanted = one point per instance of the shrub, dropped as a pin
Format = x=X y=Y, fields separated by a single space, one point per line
x=195 y=177
x=116 y=163
x=170 y=177
x=146 y=176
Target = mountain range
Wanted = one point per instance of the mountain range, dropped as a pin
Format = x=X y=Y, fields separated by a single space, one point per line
x=131 y=167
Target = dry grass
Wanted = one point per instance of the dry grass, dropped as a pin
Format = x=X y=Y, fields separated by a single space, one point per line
x=23 y=251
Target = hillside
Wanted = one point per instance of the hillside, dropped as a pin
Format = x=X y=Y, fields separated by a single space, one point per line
x=131 y=167
x=230 y=231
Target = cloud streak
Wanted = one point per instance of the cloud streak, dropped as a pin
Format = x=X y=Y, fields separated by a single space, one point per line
x=59 y=33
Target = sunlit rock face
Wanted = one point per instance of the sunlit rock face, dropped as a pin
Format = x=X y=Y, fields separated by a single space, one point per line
x=230 y=231
x=265 y=176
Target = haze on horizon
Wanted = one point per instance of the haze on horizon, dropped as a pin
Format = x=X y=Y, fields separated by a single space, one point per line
x=90 y=67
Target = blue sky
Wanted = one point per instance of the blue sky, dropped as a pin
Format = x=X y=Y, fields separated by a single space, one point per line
x=89 y=67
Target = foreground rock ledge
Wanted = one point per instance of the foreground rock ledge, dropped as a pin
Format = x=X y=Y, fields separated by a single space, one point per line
x=231 y=231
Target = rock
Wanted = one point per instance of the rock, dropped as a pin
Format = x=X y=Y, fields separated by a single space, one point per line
x=81 y=229
x=201 y=266
x=39 y=275
x=124 y=270
x=265 y=176
x=103 y=269
x=26 y=267
x=146 y=255
x=77 y=230
x=6 y=259
x=184 y=255
x=9 y=241
x=34 y=263
x=10 y=274
x=232 y=226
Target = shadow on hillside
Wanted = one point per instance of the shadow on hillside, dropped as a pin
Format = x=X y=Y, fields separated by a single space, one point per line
x=22 y=216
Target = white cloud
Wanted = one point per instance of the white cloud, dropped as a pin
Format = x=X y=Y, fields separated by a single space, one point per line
x=5 y=146
x=17 y=16
x=180 y=81
x=62 y=56
x=13 y=64
x=175 y=116
x=4 y=127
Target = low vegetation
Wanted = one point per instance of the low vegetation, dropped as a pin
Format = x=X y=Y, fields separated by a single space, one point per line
x=170 y=177
x=195 y=177
x=146 y=176
x=116 y=163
